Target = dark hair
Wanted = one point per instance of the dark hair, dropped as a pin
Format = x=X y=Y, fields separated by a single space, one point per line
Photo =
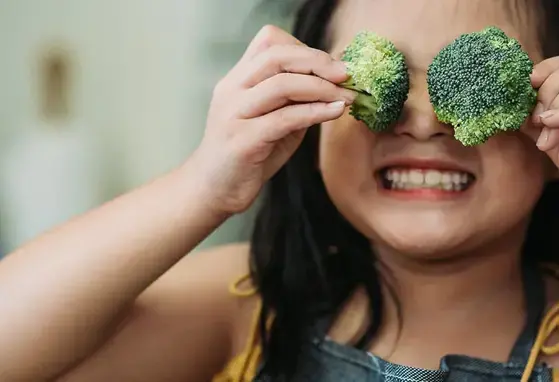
x=300 y=276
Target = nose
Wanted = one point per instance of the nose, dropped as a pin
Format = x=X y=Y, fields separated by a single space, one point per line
x=419 y=121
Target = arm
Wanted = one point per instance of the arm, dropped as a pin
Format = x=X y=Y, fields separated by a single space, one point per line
x=82 y=302
x=62 y=295
x=184 y=327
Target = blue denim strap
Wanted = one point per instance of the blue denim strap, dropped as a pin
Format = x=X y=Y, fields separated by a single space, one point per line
x=535 y=297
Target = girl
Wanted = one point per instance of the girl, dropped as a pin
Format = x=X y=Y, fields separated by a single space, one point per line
x=344 y=279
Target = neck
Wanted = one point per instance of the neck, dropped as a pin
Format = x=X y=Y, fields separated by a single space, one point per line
x=458 y=300
x=463 y=282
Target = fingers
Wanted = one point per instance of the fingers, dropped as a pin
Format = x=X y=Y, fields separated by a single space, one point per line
x=277 y=125
x=546 y=132
x=550 y=118
x=277 y=70
x=547 y=137
x=291 y=59
x=545 y=78
x=549 y=91
x=283 y=89
x=268 y=36
x=548 y=142
x=543 y=70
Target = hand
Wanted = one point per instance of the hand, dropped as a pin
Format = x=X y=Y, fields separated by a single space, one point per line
x=545 y=117
x=260 y=112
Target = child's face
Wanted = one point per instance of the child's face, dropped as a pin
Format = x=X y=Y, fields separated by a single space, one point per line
x=510 y=172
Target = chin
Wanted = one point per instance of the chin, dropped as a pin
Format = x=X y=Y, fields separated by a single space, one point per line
x=429 y=235
x=420 y=244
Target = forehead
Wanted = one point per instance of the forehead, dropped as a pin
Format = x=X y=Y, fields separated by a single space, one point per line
x=421 y=28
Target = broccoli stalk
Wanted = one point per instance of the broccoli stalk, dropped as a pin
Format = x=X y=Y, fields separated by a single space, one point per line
x=379 y=74
x=480 y=84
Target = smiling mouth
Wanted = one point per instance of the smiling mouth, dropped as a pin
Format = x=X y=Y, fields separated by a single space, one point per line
x=415 y=179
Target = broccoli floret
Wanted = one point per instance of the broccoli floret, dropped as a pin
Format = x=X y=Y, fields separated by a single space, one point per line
x=480 y=84
x=378 y=72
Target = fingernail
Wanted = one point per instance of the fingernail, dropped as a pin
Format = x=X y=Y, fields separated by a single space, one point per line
x=536 y=119
x=543 y=139
x=538 y=109
x=350 y=96
x=342 y=65
x=547 y=114
x=337 y=105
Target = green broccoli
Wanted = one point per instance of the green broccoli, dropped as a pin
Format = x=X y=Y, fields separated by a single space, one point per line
x=378 y=72
x=480 y=84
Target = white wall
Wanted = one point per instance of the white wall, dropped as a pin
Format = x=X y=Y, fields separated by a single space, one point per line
x=145 y=74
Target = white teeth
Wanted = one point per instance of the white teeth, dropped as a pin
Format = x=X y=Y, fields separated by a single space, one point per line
x=448 y=186
x=408 y=179
x=433 y=178
x=456 y=178
x=416 y=177
x=404 y=177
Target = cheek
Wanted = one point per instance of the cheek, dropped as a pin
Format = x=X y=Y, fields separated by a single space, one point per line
x=347 y=164
x=514 y=174
x=346 y=156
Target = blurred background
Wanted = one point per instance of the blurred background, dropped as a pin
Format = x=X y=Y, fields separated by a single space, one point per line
x=98 y=97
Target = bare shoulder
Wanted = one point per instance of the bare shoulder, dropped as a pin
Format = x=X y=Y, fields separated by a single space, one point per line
x=184 y=327
x=202 y=281
x=202 y=284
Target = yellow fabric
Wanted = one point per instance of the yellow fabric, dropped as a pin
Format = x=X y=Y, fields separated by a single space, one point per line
x=549 y=325
x=243 y=367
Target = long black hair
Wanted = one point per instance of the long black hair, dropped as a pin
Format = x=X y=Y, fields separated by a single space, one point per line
x=306 y=259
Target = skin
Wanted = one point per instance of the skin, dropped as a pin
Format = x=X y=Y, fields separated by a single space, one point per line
x=431 y=228
x=129 y=306
x=451 y=256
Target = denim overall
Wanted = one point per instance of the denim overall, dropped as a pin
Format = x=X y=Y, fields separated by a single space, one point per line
x=324 y=360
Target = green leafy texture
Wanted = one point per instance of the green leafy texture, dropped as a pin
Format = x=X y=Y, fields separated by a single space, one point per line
x=378 y=72
x=480 y=84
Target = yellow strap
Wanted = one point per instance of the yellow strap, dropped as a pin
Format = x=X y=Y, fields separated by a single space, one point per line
x=242 y=365
x=246 y=365
x=235 y=287
x=549 y=325
x=243 y=368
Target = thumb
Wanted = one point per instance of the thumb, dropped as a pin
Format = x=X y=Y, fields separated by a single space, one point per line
x=532 y=130
x=546 y=139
